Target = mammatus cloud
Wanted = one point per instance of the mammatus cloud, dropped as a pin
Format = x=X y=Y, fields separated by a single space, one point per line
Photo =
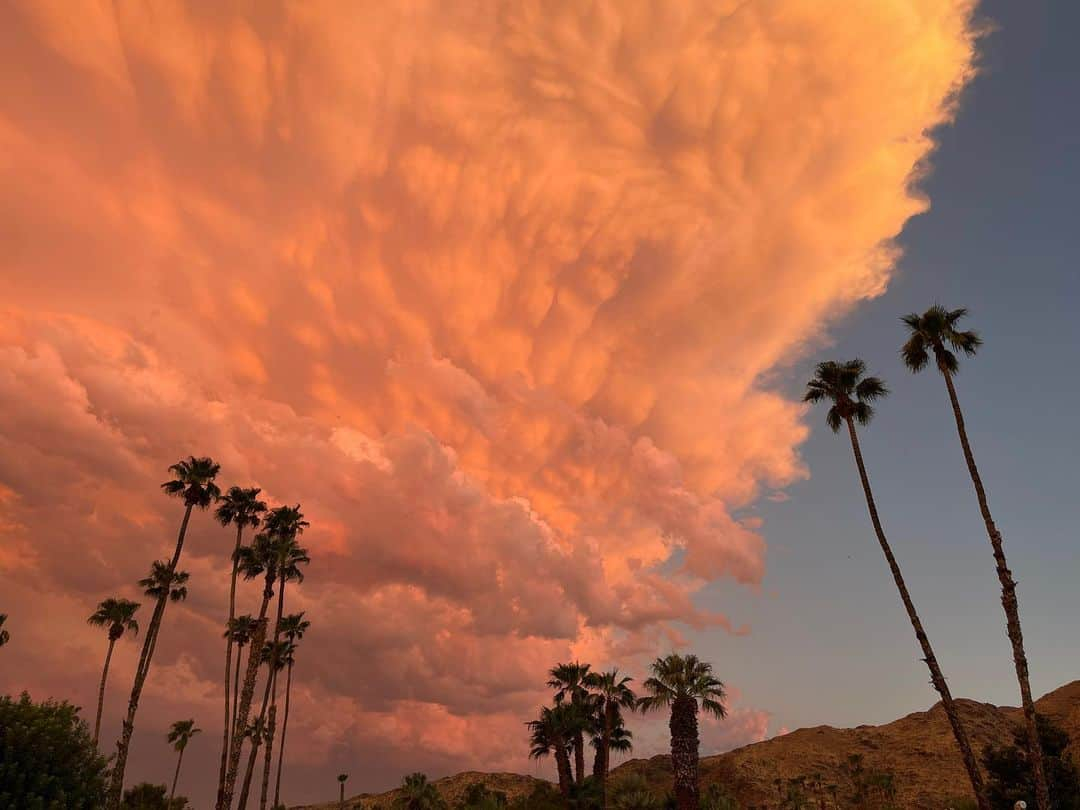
x=493 y=290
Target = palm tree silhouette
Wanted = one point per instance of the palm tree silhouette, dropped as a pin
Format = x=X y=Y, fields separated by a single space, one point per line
x=241 y=628
x=612 y=693
x=342 y=777
x=417 y=793
x=935 y=331
x=281 y=528
x=569 y=683
x=193 y=481
x=242 y=508
x=119 y=616
x=851 y=395
x=550 y=735
x=179 y=736
x=683 y=684
x=293 y=628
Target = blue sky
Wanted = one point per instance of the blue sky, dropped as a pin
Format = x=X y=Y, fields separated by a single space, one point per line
x=830 y=642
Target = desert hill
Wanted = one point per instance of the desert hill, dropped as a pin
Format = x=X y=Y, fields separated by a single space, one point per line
x=917 y=749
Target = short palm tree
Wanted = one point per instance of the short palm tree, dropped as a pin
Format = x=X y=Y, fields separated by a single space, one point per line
x=342 y=778
x=550 y=734
x=179 y=736
x=193 y=482
x=936 y=332
x=243 y=509
x=570 y=684
x=417 y=793
x=684 y=684
x=612 y=693
x=5 y=636
x=293 y=628
x=277 y=540
x=119 y=616
x=850 y=394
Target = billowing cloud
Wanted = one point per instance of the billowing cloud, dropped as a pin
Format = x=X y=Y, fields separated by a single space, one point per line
x=494 y=290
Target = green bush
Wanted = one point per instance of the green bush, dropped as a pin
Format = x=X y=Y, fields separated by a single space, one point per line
x=1009 y=778
x=146 y=796
x=47 y=759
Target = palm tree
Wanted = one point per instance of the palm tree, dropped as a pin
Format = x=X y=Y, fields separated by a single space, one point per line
x=612 y=693
x=550 y=734
x=417 y=793
x=241 y=628
x=852 y=394
x=683 y=683
x=119 y=616
x=293 y=628
x=242 y=508
x=193 y=481
x=282 y=526
x=273 y=656
x=5 y=636
x=936 y=331
x=179 y=736
x=570 y=684
x=342 y=777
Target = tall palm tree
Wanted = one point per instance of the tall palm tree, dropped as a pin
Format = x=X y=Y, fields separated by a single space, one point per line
x=570 y=684
x=683 y=684
x=193 y=482
x=342 y=778
x=550 y=735
x=936 y=331
x=119 y=616
x=242 y=508
x=851 y=395
x=417 y=793
x=241 y=628
x=5 y=636
x=179 y=736
x=282 y=525
x=293 y=627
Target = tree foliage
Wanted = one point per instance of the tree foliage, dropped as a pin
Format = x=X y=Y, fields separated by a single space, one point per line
x=147 y=796
x=1009 y=771
x=47 y=759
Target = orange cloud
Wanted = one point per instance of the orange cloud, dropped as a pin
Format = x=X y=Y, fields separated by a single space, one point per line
x=493 y=290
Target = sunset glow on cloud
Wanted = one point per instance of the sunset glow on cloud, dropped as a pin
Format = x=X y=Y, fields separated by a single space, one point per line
x=494 y=290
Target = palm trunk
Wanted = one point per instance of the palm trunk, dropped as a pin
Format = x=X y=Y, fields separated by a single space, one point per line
x=265 y=720
x=228 y=661
x=268 y=756
x=116 y=783
x=284 y=728
x=684 y=752
x=224 y=800
x=341 y=800
x=236 y=692
x=936 y=676
x=256 y=742
x=579 y=757
x=1008 y=602
x=101 y=688
x=602 y=764
x=562 y=766
x=176 y=776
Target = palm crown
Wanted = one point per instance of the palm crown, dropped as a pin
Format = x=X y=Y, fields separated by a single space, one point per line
x=181 y=733
x=611 y=688
x=165 y=582
x=241 y=507
x=194 y=481
x=935 y=330
x=294 y=626
x=569 y=682
x=240 y=628
x=417 y=793
x=677 y=677
x=275 y=654
x=552 y=728
x=850 y=392
x=116 y=614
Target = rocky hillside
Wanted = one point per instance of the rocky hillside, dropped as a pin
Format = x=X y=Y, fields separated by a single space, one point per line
x=918 y=750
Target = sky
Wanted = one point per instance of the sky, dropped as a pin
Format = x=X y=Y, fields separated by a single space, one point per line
x=517 y=301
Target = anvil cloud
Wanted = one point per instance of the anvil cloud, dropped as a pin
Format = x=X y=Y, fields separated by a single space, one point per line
x=493 y=289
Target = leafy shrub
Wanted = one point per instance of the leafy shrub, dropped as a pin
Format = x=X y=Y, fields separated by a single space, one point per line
x=47 y=759
x=1009 y=775
x=146 y=796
